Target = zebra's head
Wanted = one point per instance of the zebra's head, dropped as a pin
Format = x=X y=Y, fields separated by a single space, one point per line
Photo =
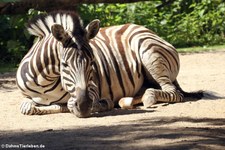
x=77 y=61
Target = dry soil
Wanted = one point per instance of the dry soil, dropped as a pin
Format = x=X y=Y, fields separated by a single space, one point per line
x=188 y=125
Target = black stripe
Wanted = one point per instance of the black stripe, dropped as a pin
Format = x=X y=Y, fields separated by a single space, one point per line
x=99 y=80
x=67 y=79
x=24 y=70
x=119 y=76
x=123 y=54
x=162 y=53
x=133 y=53
x=73 y=90
x=54 y=86
x=137 y=33
x=60 y=98
x=46 y=57
x=58 y=60
x=32 y=60
x=158 y=40
x=105 y=66
x=53 y=56
x=36 y=60
x=66 y=71
x=54 y=18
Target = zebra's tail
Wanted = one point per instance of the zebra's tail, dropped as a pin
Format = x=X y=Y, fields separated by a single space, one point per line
x=190 y=95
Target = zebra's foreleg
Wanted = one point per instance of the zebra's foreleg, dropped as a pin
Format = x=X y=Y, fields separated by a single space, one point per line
x=28 y=107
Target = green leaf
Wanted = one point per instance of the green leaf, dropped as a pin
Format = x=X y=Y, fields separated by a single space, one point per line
x=201 y=13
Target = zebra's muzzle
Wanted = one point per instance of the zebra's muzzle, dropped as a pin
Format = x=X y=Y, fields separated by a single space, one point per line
x=81 y=107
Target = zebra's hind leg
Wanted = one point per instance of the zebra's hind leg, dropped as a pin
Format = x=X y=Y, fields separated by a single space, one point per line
x=28 y=107
x=161 y=66
x=151 y=96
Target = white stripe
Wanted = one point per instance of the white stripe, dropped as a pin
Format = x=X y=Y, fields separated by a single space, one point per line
x=70 y=23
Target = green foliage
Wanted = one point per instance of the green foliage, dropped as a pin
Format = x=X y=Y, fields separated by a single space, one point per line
x=184 y=23
x=15 y=41
x=109 y=14
x=201 y=23
x=12 y=42
x=7 y=68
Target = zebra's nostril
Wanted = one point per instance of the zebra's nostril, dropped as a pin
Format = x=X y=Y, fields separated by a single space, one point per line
x=76 y=104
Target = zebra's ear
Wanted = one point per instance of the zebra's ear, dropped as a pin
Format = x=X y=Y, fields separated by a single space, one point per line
x=58 y=32
x=92 y=28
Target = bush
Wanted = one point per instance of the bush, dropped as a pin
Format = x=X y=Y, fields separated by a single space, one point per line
x=15 y=40
x=182 y=23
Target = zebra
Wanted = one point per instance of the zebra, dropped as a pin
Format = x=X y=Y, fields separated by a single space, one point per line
x=93 y=69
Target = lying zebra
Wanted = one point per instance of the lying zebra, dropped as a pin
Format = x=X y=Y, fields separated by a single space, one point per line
x=92 y=69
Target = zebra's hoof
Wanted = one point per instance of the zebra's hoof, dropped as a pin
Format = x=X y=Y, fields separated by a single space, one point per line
x=71 y=105
x=27 y=108
x=148 y=101
x=126 y=103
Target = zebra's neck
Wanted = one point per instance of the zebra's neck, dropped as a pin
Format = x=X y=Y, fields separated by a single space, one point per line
x=45 y=61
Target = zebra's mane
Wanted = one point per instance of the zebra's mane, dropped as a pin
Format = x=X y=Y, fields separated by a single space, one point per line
x=41 y=25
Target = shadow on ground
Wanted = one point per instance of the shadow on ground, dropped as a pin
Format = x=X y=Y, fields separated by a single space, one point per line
x=142 y=134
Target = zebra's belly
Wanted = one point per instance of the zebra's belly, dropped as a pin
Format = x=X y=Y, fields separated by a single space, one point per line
x=124 y=85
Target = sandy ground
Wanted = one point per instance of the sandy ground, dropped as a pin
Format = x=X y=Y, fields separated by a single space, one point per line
x=189 y=125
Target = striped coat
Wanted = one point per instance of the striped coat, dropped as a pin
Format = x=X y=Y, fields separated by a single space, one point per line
x=92 y=69
x=120 y=50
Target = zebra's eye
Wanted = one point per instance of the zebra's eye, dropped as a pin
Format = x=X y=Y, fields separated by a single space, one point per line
x=64 y=64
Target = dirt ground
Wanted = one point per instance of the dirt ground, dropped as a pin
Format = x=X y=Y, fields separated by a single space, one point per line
x=189 y=125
